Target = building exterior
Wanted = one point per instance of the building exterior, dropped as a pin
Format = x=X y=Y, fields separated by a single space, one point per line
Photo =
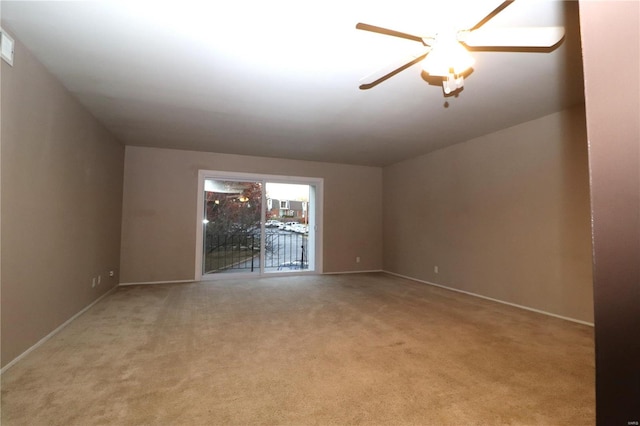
x=287 y=209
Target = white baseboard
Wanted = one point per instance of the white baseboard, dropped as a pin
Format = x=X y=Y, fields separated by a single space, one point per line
x=353 y=272
x=254 y=276
x=158 y=282
x=54 y=332
x=492 y=299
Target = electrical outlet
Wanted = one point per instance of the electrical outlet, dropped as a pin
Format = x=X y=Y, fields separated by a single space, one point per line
x=93 y=282
x=435 y=269
x=111 y=273
x=357 y=259
x=99 y=279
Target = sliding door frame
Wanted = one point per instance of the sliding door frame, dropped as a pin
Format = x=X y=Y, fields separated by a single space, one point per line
x=315 y=205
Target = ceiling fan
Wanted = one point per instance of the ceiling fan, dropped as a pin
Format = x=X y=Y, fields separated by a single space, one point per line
x=444 y=53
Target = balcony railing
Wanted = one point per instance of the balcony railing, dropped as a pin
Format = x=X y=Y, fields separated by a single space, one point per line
x=284 y=250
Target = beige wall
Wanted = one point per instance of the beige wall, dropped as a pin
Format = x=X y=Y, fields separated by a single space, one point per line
x=611 y=48
x=61 y=205
x=159 y=210
x=505 y=216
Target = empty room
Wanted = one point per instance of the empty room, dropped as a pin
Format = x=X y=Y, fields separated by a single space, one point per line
x=376 y=213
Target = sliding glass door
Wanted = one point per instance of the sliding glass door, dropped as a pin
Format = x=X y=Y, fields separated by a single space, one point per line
x=287 y=236
x=257 y=224
x=231 y=226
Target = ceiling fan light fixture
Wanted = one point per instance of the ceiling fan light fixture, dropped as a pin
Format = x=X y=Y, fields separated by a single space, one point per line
x=448 y=57
x=452 y=83
x=444 y=54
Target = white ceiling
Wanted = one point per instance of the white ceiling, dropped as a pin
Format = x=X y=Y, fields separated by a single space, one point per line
x=280 y=78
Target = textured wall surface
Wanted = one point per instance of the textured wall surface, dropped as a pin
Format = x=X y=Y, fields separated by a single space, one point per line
x=61 y=205
x=159 y=211
x=505 y=216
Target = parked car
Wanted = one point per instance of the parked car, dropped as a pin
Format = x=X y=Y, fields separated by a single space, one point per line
x=288 y=226
x=300 y=228
x=273 y=223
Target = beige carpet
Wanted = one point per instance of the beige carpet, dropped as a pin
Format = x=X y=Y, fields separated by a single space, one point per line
x=345 y=349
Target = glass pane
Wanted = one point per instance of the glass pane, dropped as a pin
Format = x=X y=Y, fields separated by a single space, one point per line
x=287 y=238
x=232 y=234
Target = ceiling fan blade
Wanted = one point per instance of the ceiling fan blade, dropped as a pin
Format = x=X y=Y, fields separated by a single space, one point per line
x=389 y=71
x=493 y=13
x=512 y=37
x=386 y=31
